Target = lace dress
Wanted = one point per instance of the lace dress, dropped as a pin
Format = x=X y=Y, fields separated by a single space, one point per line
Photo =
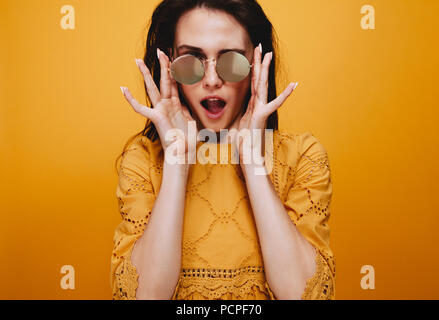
x=221 y=254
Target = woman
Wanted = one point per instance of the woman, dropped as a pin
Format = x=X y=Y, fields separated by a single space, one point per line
x=218 y=231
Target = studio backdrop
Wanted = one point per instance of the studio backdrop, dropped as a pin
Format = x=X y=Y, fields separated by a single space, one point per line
x=367 y=73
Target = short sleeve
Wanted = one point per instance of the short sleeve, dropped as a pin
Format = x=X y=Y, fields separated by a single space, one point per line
x=135 y=194
x=308 y=205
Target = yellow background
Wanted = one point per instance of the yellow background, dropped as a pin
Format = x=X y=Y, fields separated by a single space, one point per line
x=369 y=96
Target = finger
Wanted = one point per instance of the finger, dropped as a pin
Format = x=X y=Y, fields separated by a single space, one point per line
x=176 y=100
x=173 y=84
x=153 y=91
x=262 y=89
x=139 y=108
x=174 y=89
x=165 y=80
x=276 y=103
x=256 y=68
x=251 y=105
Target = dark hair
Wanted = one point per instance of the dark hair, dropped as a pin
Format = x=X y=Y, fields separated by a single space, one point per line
x=162 y=31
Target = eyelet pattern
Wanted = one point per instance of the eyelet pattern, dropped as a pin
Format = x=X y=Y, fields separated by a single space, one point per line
x=301 y=177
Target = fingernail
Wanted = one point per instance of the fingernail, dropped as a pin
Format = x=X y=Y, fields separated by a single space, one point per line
x=270 y=54
x=260 y=47
x=158 y=53
x=137 y=62
x=295 y=86
x=121 y=88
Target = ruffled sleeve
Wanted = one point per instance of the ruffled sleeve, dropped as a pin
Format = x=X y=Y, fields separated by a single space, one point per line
x=136 y=195
x=308 y=193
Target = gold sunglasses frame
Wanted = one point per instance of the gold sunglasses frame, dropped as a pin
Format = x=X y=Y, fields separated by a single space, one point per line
x=203 y=61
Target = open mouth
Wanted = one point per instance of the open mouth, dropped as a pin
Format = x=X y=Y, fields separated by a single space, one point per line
x=214 y=107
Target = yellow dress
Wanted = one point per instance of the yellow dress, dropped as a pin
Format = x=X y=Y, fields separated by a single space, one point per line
x=221 y=254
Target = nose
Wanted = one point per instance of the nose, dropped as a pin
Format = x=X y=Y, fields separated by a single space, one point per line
x=211 y=78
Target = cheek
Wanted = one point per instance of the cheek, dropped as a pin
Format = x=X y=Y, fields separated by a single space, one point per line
x=240 y=91
x=245 y=86
x=184 y=90
x=188 y=93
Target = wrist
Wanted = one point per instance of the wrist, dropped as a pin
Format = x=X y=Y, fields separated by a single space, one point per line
x=176 y=170
x=254 y=169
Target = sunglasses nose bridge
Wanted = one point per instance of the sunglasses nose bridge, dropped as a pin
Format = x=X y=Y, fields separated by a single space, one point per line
x=207 y=65
x=207 y=61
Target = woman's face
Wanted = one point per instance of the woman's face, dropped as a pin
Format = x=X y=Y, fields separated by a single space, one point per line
x=211 y=32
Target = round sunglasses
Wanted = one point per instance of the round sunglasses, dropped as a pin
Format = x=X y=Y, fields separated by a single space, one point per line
x=230 y=66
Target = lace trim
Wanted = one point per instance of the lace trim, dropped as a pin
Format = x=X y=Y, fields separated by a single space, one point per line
x=220 y=273
x=320 y=286
x=270 y=293
x=215 y=283
x=126 y=281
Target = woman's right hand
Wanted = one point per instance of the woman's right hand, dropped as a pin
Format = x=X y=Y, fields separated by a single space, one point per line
x=168 y=113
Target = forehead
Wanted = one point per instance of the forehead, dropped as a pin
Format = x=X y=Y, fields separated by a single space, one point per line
x=210 y=30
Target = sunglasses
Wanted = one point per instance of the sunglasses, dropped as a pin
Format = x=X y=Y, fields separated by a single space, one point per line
x=230 y=66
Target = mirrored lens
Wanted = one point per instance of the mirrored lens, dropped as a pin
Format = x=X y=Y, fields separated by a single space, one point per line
x=233 y=66
x=187 y=69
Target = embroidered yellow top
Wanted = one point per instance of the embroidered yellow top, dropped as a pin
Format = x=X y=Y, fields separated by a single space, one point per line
x=221 y=255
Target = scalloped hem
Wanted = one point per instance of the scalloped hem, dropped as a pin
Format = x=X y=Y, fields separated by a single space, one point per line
x=251 y=289
x=321 y=285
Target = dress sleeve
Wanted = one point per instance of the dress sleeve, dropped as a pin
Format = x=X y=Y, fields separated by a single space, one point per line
x=308 y=205
x=136 y=197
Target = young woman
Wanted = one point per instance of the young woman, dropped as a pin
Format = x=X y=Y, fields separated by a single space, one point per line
x=213 y=230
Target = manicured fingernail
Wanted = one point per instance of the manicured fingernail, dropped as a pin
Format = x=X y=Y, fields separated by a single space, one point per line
x=260 y=47
x=158 y=53
x=123 y=92
x=296 y=84
x=141 y=65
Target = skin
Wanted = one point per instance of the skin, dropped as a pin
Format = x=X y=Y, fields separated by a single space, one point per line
x=289 y=259
x=212 y=37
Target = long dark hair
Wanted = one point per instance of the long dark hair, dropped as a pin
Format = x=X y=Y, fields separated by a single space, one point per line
x=162 y=31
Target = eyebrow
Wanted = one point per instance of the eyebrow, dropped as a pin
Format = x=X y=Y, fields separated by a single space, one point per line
x=185 y=46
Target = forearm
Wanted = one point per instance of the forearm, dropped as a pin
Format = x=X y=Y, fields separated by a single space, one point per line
x=288 y=256
x=157 y=253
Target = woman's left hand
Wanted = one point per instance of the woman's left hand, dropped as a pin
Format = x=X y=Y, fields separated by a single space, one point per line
x=259 y=109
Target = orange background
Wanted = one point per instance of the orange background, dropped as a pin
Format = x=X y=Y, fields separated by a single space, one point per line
x=367 y=95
